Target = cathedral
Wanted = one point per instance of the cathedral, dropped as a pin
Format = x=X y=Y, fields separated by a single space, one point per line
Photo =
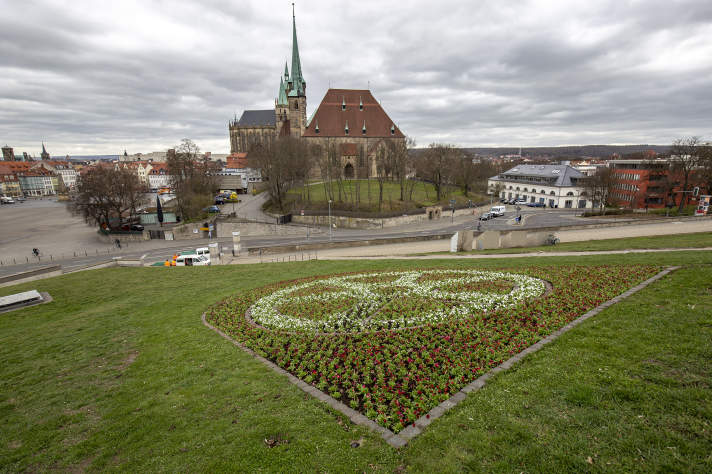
x=350 y=121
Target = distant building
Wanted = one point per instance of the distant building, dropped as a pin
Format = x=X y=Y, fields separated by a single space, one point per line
x=44 y=155
x=63 y=169
x=646 y=183
x=9 y=185
x=38 y=182
x=552 y=185
x=158 y=176
x=8 y=154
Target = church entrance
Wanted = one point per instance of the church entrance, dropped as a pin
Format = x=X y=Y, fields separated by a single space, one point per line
x=348 y=171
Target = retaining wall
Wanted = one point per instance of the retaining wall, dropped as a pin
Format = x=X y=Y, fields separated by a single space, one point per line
x=31 y=275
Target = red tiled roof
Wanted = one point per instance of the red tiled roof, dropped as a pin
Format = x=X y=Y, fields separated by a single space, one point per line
x=332 y=120
x=12 y=167
x=158 y=168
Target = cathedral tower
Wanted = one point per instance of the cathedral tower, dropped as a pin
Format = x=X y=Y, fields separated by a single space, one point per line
x=296 y=89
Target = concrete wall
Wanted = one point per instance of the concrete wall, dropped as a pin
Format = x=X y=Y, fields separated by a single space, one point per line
x=226 y=228
x=336 y=245
x=499 y=239
x=187 y=231
x=342 y=222
x=31 y=275
x=128 y=237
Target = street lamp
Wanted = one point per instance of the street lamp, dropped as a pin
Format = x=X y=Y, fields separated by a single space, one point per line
x=329 y=219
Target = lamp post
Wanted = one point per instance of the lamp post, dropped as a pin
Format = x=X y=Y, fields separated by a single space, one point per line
x=329 y=219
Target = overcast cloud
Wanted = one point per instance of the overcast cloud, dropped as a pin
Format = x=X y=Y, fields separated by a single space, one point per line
x=94 y=76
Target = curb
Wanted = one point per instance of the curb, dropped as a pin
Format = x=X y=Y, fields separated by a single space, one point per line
x=411 y=431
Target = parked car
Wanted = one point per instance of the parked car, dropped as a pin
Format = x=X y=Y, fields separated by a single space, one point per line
x=486 y=216
x=219 y=200
x=134 y=227
x=6 y=200
x=497 y=211
x=512 y=201
x=20 y=199
x=212 y=209
x=538 y=204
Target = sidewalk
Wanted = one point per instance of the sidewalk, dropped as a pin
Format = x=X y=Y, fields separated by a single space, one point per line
x=407 y=250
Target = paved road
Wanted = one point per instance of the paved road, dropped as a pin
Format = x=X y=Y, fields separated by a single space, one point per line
x=66 y=238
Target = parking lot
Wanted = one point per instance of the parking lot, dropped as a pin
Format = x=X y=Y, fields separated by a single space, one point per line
x=44 y=224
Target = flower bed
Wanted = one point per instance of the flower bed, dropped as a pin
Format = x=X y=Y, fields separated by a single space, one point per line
x=395 y=344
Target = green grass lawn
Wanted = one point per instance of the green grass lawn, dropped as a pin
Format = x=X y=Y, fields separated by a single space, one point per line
x=423 y=195
x=118 y=373
x=676 y=241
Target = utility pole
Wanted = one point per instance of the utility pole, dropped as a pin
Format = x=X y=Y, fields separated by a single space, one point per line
x=330 y=219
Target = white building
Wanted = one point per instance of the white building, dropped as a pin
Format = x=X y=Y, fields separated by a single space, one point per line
x=62 y=168
x=552 y=185
x=158 y=176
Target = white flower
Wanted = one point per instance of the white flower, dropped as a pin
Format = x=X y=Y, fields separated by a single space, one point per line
x=371 y=297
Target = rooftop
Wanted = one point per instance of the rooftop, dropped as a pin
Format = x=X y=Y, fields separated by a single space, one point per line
x=354 y=109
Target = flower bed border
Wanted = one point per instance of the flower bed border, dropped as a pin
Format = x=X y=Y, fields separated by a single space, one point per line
x=413 y=430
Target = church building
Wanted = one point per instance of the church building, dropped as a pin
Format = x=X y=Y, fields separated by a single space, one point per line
x=350 y=121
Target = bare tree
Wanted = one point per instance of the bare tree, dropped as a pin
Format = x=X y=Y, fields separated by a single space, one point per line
x=283 y=163
x=705 y=172
x=600 y=188
x=191 y=179
x=465 y=173
x=436 y=166
x=107 y=196
x=685 y=156
x=403 y=164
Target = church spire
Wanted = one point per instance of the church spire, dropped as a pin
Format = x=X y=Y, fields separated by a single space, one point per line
x=297 y=79
x=282 y=99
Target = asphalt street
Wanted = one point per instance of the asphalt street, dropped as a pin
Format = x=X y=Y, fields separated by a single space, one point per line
x=161 y=250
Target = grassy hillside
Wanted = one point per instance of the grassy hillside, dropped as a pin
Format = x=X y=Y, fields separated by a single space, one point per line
x=317 y=196
x=118 y=373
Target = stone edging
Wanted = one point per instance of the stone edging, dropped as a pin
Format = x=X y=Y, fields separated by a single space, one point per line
x=413 y=430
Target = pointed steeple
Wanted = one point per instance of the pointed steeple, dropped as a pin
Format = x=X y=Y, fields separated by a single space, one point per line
x=297 y=78
x=43 y=148
x=282 y=99
x=286 y=72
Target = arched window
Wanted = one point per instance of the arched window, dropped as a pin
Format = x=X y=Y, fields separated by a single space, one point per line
x=517 y=188
x=553 y=193
x=533 y=190
x=583 y=193
x=570 y=193
x=526 y=190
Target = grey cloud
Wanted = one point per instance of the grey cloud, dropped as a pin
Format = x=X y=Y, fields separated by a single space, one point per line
x=485 y=73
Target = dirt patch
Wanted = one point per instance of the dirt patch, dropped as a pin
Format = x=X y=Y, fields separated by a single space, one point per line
x=14 y=444
x=130 y=358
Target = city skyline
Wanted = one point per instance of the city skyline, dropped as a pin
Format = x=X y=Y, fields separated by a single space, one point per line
x=90 y=78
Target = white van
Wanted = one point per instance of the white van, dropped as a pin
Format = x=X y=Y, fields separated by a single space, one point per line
x=192 y=260
x=203 y=252
x=498 y=211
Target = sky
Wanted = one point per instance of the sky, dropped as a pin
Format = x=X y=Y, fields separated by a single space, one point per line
x=101 y=77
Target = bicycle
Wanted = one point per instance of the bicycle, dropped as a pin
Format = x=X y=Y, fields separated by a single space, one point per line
x=551 y=239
